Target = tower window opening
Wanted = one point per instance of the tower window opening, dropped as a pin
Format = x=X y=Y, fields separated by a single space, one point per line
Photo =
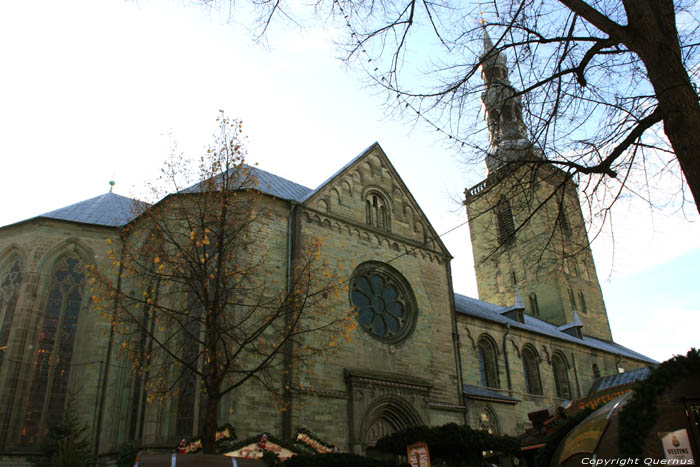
x=582 y=299
x=563 y=221
x=506 y=225
x=572 y=299
x=534 y=306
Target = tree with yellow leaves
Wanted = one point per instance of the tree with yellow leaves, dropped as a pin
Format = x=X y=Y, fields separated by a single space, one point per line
x=202 y=302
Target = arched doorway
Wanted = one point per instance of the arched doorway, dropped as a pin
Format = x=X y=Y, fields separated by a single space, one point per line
x=385 y=416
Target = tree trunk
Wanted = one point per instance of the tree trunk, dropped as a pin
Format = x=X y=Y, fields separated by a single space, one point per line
x=208 y=431
x=655 y=39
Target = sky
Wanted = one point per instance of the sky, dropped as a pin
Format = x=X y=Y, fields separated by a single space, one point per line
x=98 y=91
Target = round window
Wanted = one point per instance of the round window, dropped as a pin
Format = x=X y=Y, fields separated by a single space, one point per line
x=384 y=302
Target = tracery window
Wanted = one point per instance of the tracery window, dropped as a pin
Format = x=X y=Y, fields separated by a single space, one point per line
x=144 y=350
x=488 y=421
x=531 y=371
x=488 y=363
x=384 y=302
x=9 y=294
x=506 y=225
x=54 y=354
x=187 y=379
x=377 y=211
x=561 y=378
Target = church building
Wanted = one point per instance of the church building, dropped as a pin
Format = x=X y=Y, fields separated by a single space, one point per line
x=537 y=335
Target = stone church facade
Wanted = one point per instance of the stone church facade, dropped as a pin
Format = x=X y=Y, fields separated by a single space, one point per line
x=423 y=356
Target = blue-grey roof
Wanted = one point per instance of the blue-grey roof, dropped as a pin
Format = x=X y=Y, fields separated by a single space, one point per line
x=491 y=312
x=279 y=187
x=610 y=381
x=270 y=184
x=109 y=209
x=477 y=392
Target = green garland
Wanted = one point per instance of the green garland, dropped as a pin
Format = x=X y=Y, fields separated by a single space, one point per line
x=310 y=434
x=544 y=456
x=640 y=414
x=221 y=444
x=452 y=442
x=254 y=440
x=337 y=460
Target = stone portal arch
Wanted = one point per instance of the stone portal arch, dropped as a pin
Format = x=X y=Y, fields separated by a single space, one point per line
x=385 y=416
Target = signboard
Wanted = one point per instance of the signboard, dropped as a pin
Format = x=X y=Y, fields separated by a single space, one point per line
x=677 y=446
x=418 y=455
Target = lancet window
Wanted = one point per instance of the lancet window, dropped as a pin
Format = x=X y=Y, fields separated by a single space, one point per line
x=54 y=352
x=9 y=294
x=488 y=363
x=531 y=371
x=561 y=378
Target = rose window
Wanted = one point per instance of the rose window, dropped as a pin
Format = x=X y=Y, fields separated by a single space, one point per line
x=383 y=301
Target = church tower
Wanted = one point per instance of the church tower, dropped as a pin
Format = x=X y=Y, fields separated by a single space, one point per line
x=527 y=230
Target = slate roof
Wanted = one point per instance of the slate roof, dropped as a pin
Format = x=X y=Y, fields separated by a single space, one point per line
x=272 y=185
x=113 y=210
x=109 y=209
x=619 y=379
x=279 y=187
x=488 y=311
x=477 y=392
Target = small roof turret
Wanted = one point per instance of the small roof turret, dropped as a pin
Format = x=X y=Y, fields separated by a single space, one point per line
x=573 y=328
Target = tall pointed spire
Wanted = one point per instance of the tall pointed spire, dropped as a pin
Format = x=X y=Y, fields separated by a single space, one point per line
x=507 y=132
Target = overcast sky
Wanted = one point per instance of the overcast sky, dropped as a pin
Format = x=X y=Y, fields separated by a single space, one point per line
x=97 y=91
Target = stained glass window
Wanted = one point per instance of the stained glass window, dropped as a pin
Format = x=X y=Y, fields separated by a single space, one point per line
x=9 y=293
x=488 y=365
x=561 y=379
x=184 y=424
x=531 y=370
x=52 y=361
x=384 y=302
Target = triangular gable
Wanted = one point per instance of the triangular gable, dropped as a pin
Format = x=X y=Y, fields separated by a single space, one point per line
x=345 y=193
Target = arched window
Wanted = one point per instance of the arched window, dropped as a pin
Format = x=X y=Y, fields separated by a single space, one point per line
x=488 y=421
x=54 y=352
x=377 y=211
x=9 y=293
x=596 y=371
x=488 y=363
x=187 y=379
x=531 y=371
x=506 y=225
x=561 y=377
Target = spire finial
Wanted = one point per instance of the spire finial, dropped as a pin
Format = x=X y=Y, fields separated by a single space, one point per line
x=111 y=185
